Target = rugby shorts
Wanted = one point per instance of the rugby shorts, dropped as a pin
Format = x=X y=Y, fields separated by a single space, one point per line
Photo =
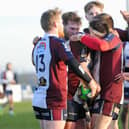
x=75 y=111
x=106 y=108
x=50 y=114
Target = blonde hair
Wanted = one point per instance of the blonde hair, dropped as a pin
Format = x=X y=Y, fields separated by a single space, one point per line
x=48 y=18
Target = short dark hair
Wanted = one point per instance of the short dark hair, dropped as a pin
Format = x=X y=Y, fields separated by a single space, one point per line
x=102 y=23
x=106 y=17
x=91 y=4
x=48 y=18
x=71 y=16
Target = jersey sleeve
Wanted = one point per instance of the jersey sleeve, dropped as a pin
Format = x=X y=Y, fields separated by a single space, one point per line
x=98 y=44
x=64 y=51
x=123 y=34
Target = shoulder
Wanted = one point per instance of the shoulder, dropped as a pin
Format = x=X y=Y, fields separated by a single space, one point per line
x=109 y=37
x=57 y=40
x=112 y=37
x=123 y=34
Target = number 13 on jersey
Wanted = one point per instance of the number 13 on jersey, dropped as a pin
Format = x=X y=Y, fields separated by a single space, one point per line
x=40 y=65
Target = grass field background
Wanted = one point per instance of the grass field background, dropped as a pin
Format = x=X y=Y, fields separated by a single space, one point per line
x=23 y=119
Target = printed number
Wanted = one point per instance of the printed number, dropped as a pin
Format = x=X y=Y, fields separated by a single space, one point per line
x=40 y=65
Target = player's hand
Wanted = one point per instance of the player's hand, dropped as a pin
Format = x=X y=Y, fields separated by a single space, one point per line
x=125 y=15
x=126 y=76
x=76 y=37
x=122 y=76
x=94 y=88
x=35 y=40
x=115 y=33
x=119 y=77
x=98 y=89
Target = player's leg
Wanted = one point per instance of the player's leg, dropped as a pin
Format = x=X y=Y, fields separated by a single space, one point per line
x=124 y=116
x=103 y=121
x=79 y=124
x=114 y=124
x=55 y=124
x=125 y=110
x=70 y=125
x=72 y=111
x=107 y=112
x=76 y=115
x=51 y=119
x=83 y=124
x=93 y=120
x=115 y=115
x=10 y=100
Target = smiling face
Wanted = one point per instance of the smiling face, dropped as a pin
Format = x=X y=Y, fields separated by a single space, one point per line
x=71 y=28
x=72 y=24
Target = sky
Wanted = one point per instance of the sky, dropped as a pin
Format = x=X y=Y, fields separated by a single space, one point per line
x=20 y=23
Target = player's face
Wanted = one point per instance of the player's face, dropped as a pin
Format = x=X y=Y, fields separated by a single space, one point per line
x=9 y=66
x=93 y=12
x=71 y=28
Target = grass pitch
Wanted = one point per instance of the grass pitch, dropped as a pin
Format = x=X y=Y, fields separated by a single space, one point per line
x=22 y=119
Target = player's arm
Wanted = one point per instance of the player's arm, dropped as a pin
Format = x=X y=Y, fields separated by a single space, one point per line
x=95 y=43
x=125 y=15
x=126 y=76
x=85 y=67
x=34 y=42
x=65 y=54
x=32 y=57
x=77 y=68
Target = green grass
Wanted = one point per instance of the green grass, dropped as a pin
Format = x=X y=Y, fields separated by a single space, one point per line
x=23 y=119
x=119 y=123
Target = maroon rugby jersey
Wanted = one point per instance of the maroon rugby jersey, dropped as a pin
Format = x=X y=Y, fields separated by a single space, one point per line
x=110 y=64
x=73 y=79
